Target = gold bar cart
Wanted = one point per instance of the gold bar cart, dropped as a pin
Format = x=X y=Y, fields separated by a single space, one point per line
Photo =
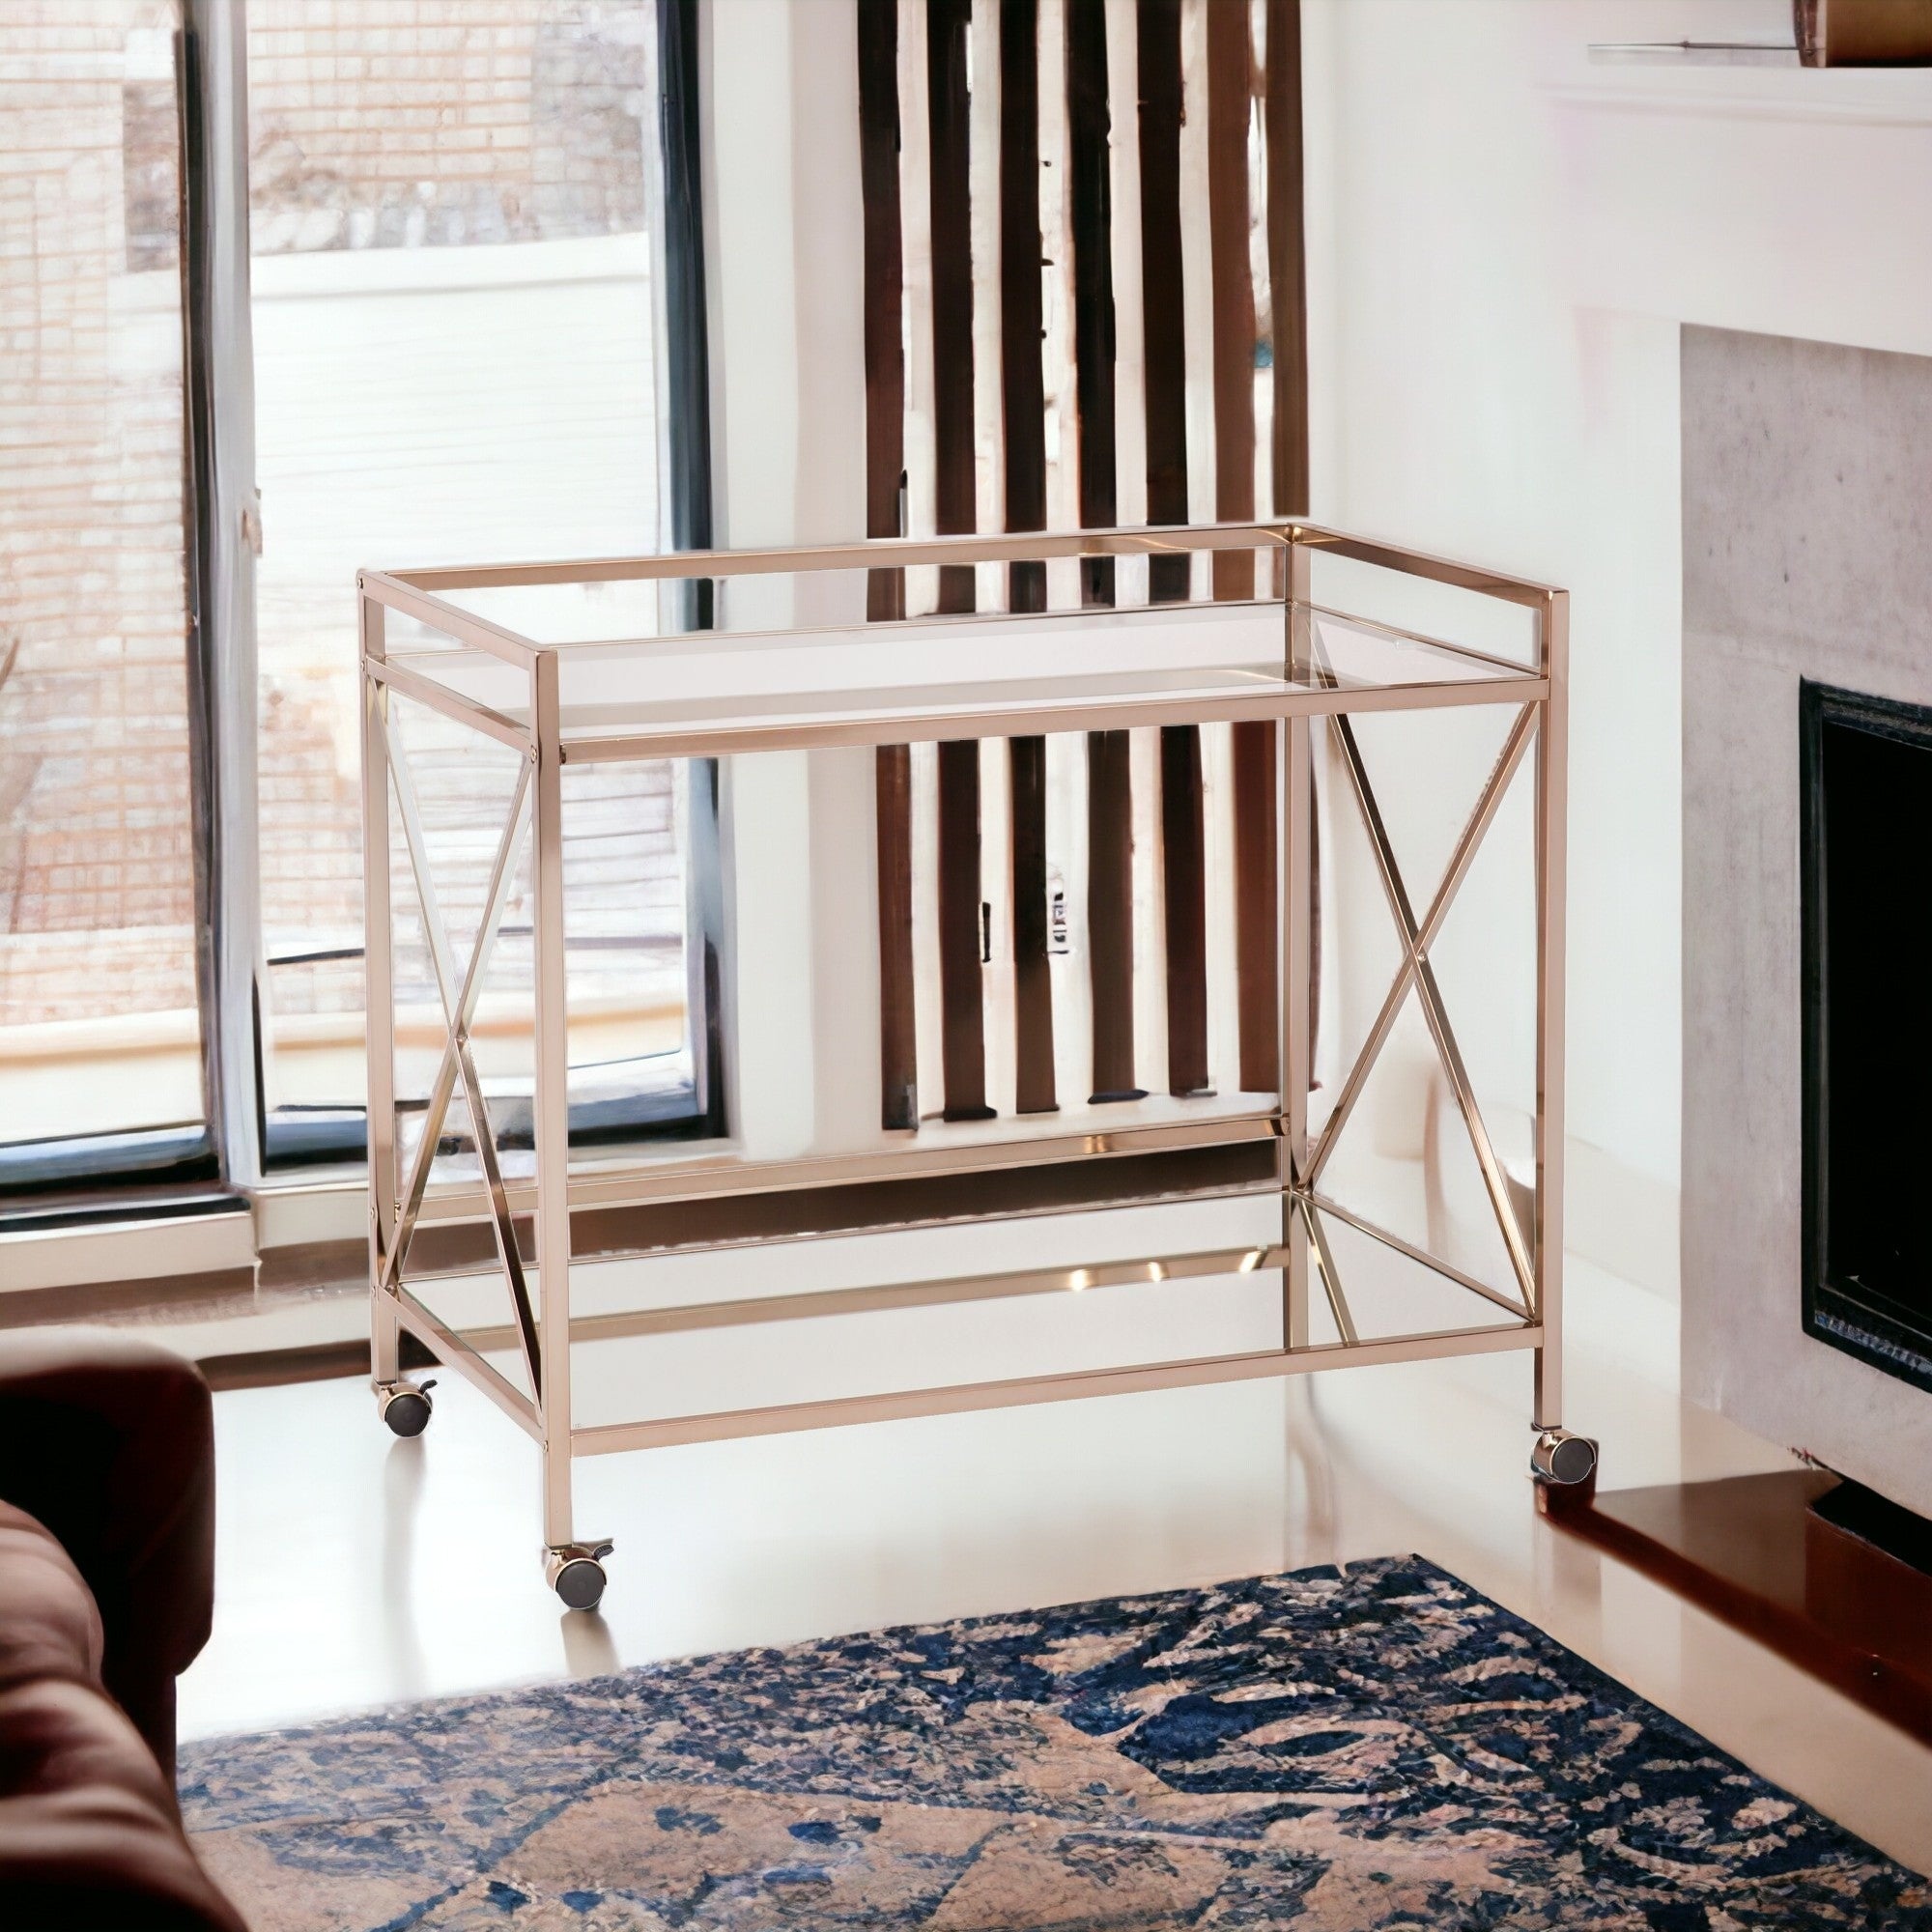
x=557 y=695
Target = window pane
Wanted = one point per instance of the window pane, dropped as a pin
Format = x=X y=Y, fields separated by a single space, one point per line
x=100 y=1032
x=453 y=364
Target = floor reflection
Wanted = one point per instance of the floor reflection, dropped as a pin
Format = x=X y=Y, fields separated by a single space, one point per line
x=589 y=1650
x=403 y=1470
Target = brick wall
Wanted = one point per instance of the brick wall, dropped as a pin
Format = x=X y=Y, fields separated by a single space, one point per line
x=426 y=122
x=428 y=125
x=95 y=867
x=373 y=123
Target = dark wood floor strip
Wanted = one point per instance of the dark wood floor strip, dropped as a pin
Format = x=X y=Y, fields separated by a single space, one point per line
x=884 y=302
x=1110 y=913
x=961 y=982
x=1089 y=197
x=1287 y=301
x=898 y=1041
x=1256 y=788
x=1256 y=792
x=948 y=104
x=1023 y=418
x=1752 y=1552
x=1164 y=331
x=1162 y=279
x=1229 y=97
x=1184 y=894
x=962 y=1012
x=307 y=1362
x=1287 y=258
x=1033 y=977
x=1022 y=374
x=884 y=309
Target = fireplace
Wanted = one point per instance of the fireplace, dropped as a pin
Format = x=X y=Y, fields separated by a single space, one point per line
x=1807 y=899
x=1865 y=804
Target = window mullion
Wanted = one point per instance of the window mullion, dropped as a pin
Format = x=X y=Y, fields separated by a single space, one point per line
x=228 y=540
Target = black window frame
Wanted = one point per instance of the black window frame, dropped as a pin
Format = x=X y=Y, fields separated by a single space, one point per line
x=241 y=1145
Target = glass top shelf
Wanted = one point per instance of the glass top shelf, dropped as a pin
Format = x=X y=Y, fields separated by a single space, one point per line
x=807 y=683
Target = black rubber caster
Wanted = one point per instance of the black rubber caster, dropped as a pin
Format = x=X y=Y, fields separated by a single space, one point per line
x=406 y=1407
x=575 y=1573
x=1562 y=1459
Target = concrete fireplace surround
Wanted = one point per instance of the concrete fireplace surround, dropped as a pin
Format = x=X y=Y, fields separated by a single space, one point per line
x=1808 y=553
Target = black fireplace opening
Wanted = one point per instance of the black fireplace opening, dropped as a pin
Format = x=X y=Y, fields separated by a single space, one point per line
x=1865 y=785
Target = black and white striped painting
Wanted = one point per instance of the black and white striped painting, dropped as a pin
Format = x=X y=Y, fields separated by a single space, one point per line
x=1083 y=308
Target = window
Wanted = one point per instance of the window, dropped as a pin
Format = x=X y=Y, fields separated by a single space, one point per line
x=100 y=1018
x=452 y=317
x=435 y=337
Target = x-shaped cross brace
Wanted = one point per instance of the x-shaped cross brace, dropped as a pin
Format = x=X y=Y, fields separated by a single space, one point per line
x=1416 y=937
x=459 y=1007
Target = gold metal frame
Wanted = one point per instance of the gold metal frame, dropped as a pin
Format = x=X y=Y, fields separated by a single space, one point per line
x=542 y=1327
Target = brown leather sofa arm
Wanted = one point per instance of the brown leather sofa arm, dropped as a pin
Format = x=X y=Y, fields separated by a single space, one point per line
x=108 y=1442
x=88 y=1832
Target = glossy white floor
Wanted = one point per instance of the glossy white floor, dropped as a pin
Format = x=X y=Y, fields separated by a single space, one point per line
x=357 y=1570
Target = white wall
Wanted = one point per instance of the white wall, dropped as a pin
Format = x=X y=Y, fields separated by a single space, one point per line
x=1807 y=469
x=1504 y=239
x=785 y=284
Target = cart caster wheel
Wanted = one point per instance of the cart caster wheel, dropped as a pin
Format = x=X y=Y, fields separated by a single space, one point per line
x=575 y=1573
x=405 y=1407
x=1563 y=1461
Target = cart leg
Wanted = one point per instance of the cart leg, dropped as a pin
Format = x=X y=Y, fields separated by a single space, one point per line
x=1558 y=1459
x=1299 y=965
x=1296 y=1033
x=1547 y=1400
x=386 y=1338
x=1293 y=1275
x=1562 y=1464
x=404 y=1408
x=574 y=1570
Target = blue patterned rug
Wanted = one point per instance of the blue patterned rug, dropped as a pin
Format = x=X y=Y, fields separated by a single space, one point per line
x=1361 y=1751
